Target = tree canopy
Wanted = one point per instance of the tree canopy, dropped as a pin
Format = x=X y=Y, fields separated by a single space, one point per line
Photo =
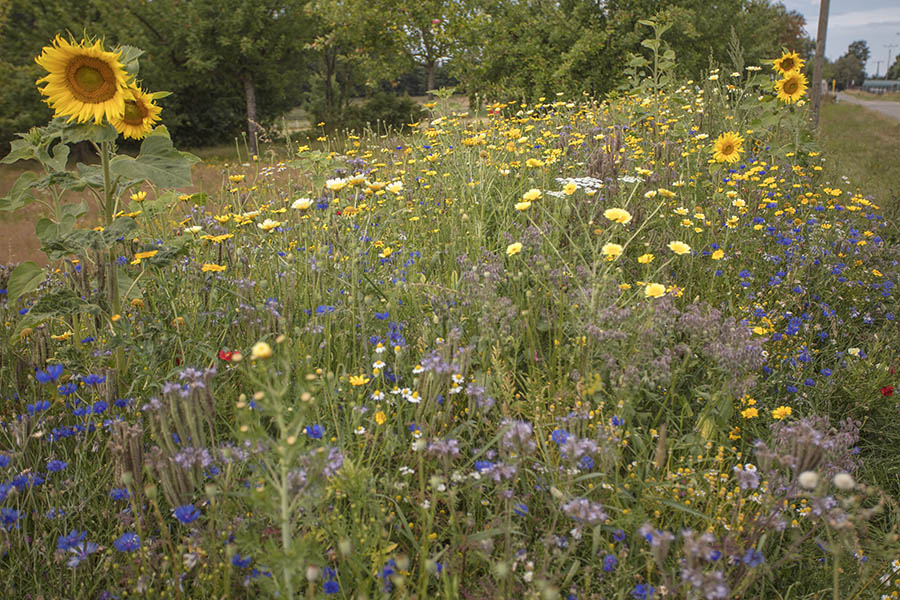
x=235 y=65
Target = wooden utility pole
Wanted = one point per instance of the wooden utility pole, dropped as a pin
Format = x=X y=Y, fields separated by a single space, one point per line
x=819 y=63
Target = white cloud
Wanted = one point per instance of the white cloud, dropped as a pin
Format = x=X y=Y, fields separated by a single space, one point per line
x=861 y=18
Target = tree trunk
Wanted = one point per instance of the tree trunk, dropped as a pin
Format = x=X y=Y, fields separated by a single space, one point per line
x=252 y=123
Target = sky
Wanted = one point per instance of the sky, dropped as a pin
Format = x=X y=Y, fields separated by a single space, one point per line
x=875 y=21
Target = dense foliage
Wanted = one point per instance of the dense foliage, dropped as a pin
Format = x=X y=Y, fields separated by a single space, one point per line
x=321 y=54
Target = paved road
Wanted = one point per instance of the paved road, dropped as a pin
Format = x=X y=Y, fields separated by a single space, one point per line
x=885 y=107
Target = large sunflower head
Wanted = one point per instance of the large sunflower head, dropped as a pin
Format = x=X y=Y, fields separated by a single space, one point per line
x=139 y=116
x=789 y=61
x=84 y=81
x=728 y=147
x=792 y=87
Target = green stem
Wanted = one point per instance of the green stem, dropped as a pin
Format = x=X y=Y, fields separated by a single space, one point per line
x=115 y=302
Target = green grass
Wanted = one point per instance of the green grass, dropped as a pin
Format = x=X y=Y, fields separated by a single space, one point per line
x=863 y=146
x=891 y=96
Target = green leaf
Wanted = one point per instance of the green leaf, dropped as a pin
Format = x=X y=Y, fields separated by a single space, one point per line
x=24 y=279
x=46 y=230
x=21 y=149
x=75 y=210
x=21 y=192
x=127 y=288
x=129 y=59
x=60 y=157
x=158 y=162
x=80 y=132
x=59 y=302
x=92 y=175
x=77 y=241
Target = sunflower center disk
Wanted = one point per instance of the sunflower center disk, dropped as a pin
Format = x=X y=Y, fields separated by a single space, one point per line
x=91 y=80
x=790 y=87
x=728 y=149
x=134 y=113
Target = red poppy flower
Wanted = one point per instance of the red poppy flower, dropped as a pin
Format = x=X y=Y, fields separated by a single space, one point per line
x=887 y=390
x=226 y=355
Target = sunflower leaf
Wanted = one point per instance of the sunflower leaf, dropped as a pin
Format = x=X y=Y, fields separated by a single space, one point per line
x=25 y=278
x=129 y=59
x=158 y=162
x=21 y=192
x=21 y=149
x=79 y=132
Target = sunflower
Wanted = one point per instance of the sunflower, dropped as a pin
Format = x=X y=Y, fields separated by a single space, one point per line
x=728 y=147
x=792 y=87
x=789 y=61
x=139 y=116
x=84 y=81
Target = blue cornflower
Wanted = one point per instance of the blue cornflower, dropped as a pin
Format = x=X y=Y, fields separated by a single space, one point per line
x=482 y=465
x=37 y=407
x=56 y=465
x=385 y=575
x=100 y=407
x=324 y=308
x=240 y=561
x=315 y=431
x=70 y=540
x=9 y=517
x=4 y=461
x=619 y=535
x=643 y=591
x=753 y=557
x=121 y=402
x=809 y=382
x=93 y=379
x=119 y=494
x=87 y=340
x=559 y=436
x=616 y=422
x=520 y=509
x=187 y=514
x=791 y=389
x=80 y=553
x=330 y=586
x=382 y=316
x=67 y=389
x=826 y=372
x=127 y=542
x=586 y=463
x=609 y=563
x=50 y=375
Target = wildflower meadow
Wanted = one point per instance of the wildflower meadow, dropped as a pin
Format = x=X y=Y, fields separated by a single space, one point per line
x=630 y=347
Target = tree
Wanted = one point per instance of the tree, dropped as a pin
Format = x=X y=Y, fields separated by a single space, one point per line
x=893 y=71
x=859 y=49
x=847 y=71
x=246 y=43
x=26 y=27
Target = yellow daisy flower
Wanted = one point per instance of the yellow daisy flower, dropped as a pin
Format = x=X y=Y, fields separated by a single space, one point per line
x=654 y=290
x=679 y=248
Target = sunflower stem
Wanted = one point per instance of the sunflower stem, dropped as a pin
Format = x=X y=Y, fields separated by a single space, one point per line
x=113 y=279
